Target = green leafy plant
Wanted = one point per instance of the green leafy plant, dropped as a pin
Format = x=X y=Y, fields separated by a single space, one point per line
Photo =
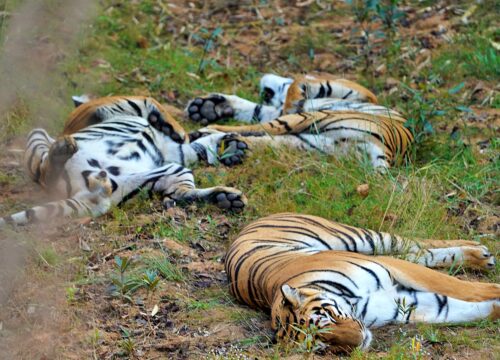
x=150 y=280
x=309 y=343
x=208 y=39
x=124 y=286
x=388 y=12
x=404 y=309
x=127 y=344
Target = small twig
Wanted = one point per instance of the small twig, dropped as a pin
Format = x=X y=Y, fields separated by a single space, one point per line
x=114 y=252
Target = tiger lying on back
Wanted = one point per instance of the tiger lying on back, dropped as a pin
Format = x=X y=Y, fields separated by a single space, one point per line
x=329 y=115
x=113 y=147
x=310 y=271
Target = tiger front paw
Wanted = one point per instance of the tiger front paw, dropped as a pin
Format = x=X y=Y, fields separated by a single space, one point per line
x=231 y=150
x=229 y=199
x=209 y=109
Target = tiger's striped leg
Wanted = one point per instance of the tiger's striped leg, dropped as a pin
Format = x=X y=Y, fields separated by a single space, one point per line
x=176 y=183
x=430 y=253
x=436 y=308
x=216 y=107
x=36 y=154
x=454 y=253
x=45 y=157
x=427 y=295
x=409 y=305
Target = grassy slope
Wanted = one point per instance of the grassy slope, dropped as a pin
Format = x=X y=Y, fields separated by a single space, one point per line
x=448 y=190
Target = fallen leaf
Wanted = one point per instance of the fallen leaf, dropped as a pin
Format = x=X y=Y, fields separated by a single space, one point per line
x=175 y=247
x=199 y=266
x=391 y=217
x=363 y=190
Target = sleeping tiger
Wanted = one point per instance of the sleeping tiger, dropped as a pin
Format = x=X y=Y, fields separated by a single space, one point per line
x=113 y=147
x=329 y=115
x=308 y=271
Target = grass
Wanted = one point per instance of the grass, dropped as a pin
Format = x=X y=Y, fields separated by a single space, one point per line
x=447 y=185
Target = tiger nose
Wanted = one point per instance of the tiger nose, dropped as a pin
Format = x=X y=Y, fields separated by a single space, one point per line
x=102 y=174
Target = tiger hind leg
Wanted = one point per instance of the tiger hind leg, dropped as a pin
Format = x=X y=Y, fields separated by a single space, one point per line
x=215 y=107
x=452 y=254
x=45 y=157
x=92 y=202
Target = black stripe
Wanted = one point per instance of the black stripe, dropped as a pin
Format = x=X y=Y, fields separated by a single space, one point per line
x=370 y=271
x=94 y=163
x=256 y=113
x=33 y=151
x=328 y=89
x=442 y=302
x=114 y=185
x=347 y=95
x=285 y=125
x=321 y=92
x=200 y=150
x=298 y=136
x=136 y=108
x=69 y=203
x=158 y=153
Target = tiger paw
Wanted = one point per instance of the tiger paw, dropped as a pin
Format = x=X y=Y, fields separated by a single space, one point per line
x=209 y=109
x=61 y=150
x=229 y=199
x=231 y=150
x=156 y=120
x=479 y=257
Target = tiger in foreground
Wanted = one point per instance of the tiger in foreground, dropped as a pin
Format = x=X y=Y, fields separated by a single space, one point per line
x=112 y=148
x=308 y=271
x=322 y=113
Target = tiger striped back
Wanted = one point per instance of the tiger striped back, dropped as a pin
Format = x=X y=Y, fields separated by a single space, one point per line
x=93 y=112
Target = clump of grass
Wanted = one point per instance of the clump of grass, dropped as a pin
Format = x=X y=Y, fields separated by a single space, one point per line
x=201 y=305
x=48 y=257
x=165 y=268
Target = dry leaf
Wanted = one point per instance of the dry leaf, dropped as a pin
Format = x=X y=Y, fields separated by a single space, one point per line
x=155 y=310
x=175 y=247
x=363 y=190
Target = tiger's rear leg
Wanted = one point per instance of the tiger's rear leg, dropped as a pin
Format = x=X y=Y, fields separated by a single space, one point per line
x=430 y=253
x=452 y=253
x=45 y=157
x=94 y=201
x=215 y=107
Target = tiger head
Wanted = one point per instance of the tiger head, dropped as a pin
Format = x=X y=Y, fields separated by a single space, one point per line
x=307 y=315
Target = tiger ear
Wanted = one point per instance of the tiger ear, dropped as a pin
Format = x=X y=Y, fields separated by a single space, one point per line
x=291 y=295
x=79 y=100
